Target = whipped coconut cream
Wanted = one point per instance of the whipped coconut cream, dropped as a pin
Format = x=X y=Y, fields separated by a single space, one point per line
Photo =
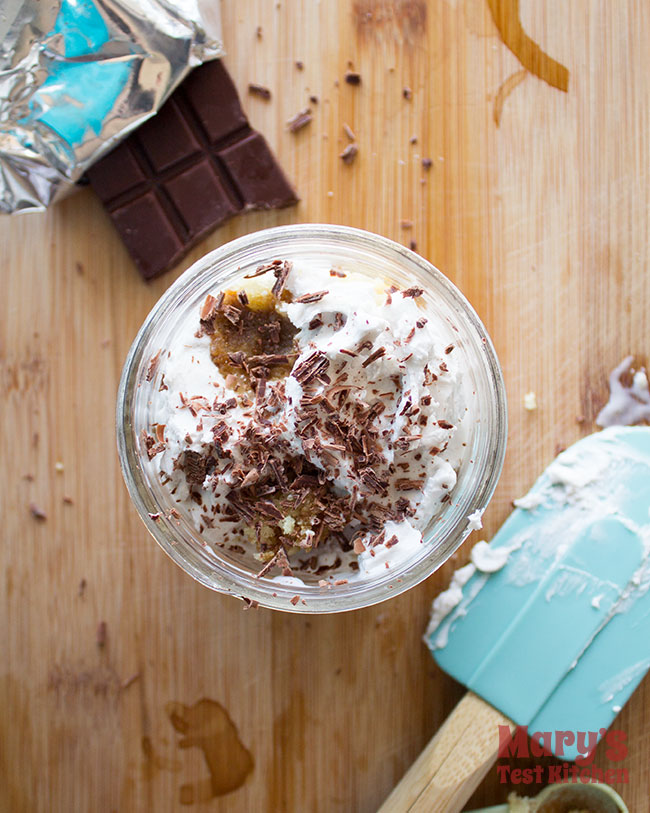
x=334 y=468
x=627 y=405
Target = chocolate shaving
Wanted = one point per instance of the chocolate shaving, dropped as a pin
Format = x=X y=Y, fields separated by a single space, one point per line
x=260 y=389
x=349 y=132
x=268 y=509
x=349 y=154
x=372 y=482
x=151 y=369
x=151 y=447
x=310 y=368
x=268 y=359
x=406 y=484
x=306 y=298
x=194 y=465
x=209 y=311
x=208 y=308
x=250 y=479
x=282 y=562
x=445 y=425
x=281 y=273
x=259 y=90
x=232 y=314
x=381 y=351
x=242 y=296
x=263 y=269
x=300 y=120
x=421 y=322
x=414 y=292
x=37 y=512
x=101 y=636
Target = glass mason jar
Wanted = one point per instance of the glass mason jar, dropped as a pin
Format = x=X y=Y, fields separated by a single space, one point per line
x=346 y=248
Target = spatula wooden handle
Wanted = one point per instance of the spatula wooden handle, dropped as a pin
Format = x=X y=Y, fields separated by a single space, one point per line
x=452 y=765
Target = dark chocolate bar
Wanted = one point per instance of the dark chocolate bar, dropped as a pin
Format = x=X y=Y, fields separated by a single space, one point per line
x=187 y=170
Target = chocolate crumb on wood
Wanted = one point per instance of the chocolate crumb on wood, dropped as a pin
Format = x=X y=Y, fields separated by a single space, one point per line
x=37 y=512
x=301 y=119
x=353 y=78
x=259 y=90
x=101 y=635
x=349 y=132
x=349 y=153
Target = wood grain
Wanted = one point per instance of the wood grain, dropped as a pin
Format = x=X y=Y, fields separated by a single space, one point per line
x=542 y=222
x=453 y=764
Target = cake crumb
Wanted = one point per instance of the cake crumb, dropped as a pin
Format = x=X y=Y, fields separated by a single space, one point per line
x=530 y=401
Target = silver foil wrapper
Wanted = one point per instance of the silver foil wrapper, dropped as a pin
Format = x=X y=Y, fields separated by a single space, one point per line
x=76 y=76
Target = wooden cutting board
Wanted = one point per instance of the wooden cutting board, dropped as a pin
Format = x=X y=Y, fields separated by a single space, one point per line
x=536 y=205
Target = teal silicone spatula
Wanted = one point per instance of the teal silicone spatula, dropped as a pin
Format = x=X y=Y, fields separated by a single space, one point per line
x=549 y=627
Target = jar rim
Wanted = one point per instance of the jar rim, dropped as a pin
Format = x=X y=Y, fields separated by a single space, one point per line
x=220 y=575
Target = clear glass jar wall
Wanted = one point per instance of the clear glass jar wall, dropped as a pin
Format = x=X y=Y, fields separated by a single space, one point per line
x=349 y=249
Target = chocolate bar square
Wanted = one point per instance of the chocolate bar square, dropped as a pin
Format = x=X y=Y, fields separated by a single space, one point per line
x=186 y=170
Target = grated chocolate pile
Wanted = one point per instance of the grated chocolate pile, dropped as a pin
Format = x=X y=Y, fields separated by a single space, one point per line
x=277 y=472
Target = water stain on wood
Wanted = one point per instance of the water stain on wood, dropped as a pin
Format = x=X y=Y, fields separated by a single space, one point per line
x=384 y=19
x=504 y=91
x=154 y=762
x=207 y=725
x=506 y=17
